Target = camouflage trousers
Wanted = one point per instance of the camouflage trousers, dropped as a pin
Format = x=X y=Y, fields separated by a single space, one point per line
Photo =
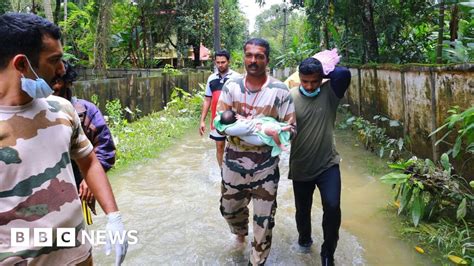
x=238 y=189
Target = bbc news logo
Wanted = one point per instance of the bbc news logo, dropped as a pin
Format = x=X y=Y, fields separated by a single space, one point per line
x=66 y=237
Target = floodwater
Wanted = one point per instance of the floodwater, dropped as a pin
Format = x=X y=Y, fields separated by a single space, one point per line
x=173 y=203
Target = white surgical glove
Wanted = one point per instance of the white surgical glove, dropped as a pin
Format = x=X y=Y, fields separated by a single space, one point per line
x=240 y=128
x=115 y=227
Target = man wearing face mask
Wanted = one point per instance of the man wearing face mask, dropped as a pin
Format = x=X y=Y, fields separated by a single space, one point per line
x=38 y=138
x=314 y=160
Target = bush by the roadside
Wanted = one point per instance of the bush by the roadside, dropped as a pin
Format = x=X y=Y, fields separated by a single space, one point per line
x=146 y=137
x=435 y=203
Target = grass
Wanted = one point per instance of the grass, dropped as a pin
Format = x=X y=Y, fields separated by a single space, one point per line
x=147 y=137
x=441 y=239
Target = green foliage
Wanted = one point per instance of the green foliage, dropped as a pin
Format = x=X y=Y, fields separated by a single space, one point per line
x=428 y=191
x=270 y=26
x=375 y=138
x=182 y=103
x=297 y=52
x=5 y=6
x=146 y=137
x=461 y=50
x=444 y=237
x=114 y=112
x=170 y=70
x=462 y=125
x=406 y=31
x=125 y=35
x=95 y=100
x=193 y=24
x=79 y=30
x=143 y=32
x=233 y=27
x=236 y=59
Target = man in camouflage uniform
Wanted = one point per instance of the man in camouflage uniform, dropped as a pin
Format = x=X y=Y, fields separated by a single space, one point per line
x=38 y=138
x=250 y=172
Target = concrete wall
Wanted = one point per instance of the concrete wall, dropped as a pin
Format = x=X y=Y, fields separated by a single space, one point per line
x=282 y=73
x=417 y=96
x=149 y=93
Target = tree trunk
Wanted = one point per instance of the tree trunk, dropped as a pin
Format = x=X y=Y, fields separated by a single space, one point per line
x=197 y=54
x=131 y=53
x=439 y=50
x=217 y=34
x=102 y=35
x=181 y=48
x=65 y=20
x=368 y=28
x=144 y=35
x=326 y=26
x=47 y=10
x=151 y=47
x=137 y=46
x=57 y=9
x=454 y=23
x=33 y=7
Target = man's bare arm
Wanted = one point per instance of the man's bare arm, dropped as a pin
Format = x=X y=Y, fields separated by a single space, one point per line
x=205 y=108
x=98 y=182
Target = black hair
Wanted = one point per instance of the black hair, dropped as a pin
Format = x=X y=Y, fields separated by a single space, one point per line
x=259 y=42
x=70 y=75
x=310 y=66
x=23 y=34
x=228 y=117
x=223 y=53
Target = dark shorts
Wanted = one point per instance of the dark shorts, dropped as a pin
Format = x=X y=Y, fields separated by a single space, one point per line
x=216 y=136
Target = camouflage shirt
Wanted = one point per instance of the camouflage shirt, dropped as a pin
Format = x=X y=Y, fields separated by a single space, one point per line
x=37 y=188
x=273 y=100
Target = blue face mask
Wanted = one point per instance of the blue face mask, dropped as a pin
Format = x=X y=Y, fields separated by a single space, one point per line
x=310 y=94
x=35 y=88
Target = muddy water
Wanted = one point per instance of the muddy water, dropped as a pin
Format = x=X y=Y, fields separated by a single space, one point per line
x=173 y=202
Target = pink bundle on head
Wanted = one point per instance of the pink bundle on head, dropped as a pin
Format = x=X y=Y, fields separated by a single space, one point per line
x=329 y=59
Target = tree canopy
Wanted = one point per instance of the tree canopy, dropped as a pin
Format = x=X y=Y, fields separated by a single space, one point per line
x=140 y=33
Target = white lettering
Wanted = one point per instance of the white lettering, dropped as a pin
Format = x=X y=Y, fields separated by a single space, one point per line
x=89 y=235
x=117 y=237
x=101 y=237
x=132 y=237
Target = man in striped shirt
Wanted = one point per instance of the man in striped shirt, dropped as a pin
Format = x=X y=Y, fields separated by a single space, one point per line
x=214 y=85
x=250 y=172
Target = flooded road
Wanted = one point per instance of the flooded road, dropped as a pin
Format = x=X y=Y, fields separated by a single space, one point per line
x=173 y=203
